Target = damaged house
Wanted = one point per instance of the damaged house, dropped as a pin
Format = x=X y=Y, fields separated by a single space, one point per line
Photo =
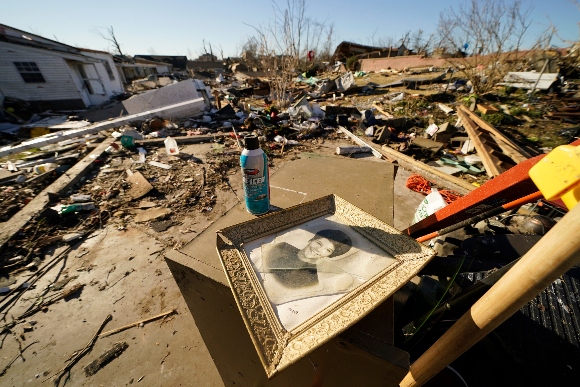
x=54 y=75
x=347 y=49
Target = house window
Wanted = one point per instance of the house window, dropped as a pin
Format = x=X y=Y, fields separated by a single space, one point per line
x=29 y=72
x=109 y=70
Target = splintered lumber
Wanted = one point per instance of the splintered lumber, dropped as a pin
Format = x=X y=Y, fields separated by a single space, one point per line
x=111 y=332
x=489 y=163
x=556 y=253
x=515 y=152
x=11 y=227
x=113 y=353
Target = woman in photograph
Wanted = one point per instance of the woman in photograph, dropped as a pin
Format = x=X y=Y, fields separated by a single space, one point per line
x=297 y=268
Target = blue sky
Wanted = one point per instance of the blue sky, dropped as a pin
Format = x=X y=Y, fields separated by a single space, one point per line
x=178 y=27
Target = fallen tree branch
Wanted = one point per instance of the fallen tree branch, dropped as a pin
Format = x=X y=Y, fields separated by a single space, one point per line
x=20 y=351
x=117 y=330
x=38 y=274
x=79 y=354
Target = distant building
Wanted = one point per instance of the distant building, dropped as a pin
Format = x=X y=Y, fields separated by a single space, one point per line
x=346 y=50
x=207 y=58
x=53 y=75
x=178 y=62
x=202 y=65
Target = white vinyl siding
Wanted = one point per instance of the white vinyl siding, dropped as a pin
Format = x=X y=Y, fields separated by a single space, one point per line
x=58 y=85
x=103 y=86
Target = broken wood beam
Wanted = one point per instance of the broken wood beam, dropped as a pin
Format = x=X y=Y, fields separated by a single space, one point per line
x=442 y=179
x=182 y=139
x=491 y=168
x=9 y=228
x=521 y=153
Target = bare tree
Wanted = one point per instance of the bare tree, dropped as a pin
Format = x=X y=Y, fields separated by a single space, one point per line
x=282 y=45
x=207 y=55
x=108 y=33
x=419 y=43
x=221 y=51
x=487 y=35
x=405 y=39
x=249 y=52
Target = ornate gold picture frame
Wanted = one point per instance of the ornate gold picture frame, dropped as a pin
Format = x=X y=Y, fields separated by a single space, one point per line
x=302 y=275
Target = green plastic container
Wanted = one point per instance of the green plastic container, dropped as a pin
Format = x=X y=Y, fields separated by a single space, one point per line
x=127 y=141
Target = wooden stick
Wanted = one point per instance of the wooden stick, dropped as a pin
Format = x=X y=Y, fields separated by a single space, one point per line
x=113 y=331
x=552 y=256
x=10 y=303
x=20 y=351
x=80 y=354
x=116 y=351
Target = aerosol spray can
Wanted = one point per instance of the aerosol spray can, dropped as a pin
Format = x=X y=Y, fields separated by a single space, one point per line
x=254 y=163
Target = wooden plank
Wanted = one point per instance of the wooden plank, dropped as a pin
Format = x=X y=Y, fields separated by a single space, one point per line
x=490 y=167
x=484 y=125
x=442 y=179
x=502 y=146
x=430 y=145
x=11 y=227
x=182 y=139
x=486 y=109
x=504 y=160
x=384 y=113
x=359 y=141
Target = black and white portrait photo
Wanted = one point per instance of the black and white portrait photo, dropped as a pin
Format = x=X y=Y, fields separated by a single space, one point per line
x=306 y=268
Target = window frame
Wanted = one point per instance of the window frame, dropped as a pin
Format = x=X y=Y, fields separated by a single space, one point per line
x=29 y=72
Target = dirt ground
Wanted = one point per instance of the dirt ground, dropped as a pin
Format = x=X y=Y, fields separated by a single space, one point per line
x=124 y=275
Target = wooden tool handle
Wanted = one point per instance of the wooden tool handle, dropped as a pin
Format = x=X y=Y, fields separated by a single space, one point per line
x=552 y=256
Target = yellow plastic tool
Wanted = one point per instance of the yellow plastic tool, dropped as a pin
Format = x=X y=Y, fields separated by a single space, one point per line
x=557 y=175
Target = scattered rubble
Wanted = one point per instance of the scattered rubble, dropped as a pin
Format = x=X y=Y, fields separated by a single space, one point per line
x=63 y=178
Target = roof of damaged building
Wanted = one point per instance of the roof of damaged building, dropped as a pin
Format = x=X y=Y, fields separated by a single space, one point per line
x=179 y=62
x=346 y=49
x=16 y=36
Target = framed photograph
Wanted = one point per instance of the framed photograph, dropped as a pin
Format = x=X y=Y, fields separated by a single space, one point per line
x=303 y=275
